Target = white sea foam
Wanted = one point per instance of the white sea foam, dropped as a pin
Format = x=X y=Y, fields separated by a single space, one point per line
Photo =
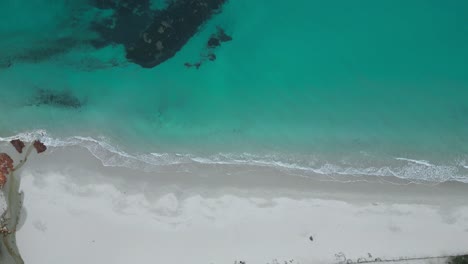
x=422 y=162
x=110 y=155
x=463 y=163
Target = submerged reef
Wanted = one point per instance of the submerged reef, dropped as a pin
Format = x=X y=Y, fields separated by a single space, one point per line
x=170 y=31
x=56 y=98
x=213 y=42
x=151 y=36
x=128 y=19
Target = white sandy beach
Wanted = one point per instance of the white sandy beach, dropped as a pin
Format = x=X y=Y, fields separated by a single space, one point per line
x=79 y=211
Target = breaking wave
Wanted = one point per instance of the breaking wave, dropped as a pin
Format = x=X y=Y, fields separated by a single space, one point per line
x=114 y=156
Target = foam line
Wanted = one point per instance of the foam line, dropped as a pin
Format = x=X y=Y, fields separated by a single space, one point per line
x=114 y=156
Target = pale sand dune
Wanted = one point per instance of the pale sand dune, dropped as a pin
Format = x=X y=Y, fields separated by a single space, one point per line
x=81 y=212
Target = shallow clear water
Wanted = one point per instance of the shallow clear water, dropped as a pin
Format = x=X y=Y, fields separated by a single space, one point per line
x=307 y=84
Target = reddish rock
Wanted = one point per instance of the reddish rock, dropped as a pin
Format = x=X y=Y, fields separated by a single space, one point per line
x=6 y=163
x=6 y=166
x=18 y=144
x=39 y=146
x=3 y=179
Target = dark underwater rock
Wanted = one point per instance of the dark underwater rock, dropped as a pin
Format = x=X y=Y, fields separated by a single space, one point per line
x=211 y=57
x=222 y=36
x=170 y=30
x=129 y=19
x=151 y=36
x=214 y=42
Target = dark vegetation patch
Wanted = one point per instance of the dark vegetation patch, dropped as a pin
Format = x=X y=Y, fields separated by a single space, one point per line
x=5 y=63
x=39 y=52
x=45 y=52
x=124 y=26
x=56 y=98
x=463 y=259
x=151 y=36
x=213 y=42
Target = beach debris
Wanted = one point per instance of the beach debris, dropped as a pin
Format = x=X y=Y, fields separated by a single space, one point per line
x=341 y=258
x=311 y=238
x=18 y=144
x=39 y=146
x=276 y=261
x=4 y=229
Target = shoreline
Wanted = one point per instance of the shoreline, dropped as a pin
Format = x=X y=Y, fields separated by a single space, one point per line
x=395 y=168
x=119 y=215
x=227 y=176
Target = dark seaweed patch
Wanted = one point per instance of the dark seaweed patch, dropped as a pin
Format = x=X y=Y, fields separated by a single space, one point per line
x=150 y=36
x=170 y=30
x=129 y=18
x=56 y=98
x=213 y=42
x=462 y=259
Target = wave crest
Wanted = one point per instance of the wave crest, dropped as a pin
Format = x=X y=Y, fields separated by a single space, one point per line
x=111 y=155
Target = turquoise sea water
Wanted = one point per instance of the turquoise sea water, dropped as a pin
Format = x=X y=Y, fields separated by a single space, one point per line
x=339 y=85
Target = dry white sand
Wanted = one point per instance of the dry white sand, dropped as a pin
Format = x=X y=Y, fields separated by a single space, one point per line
x=81 y=212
